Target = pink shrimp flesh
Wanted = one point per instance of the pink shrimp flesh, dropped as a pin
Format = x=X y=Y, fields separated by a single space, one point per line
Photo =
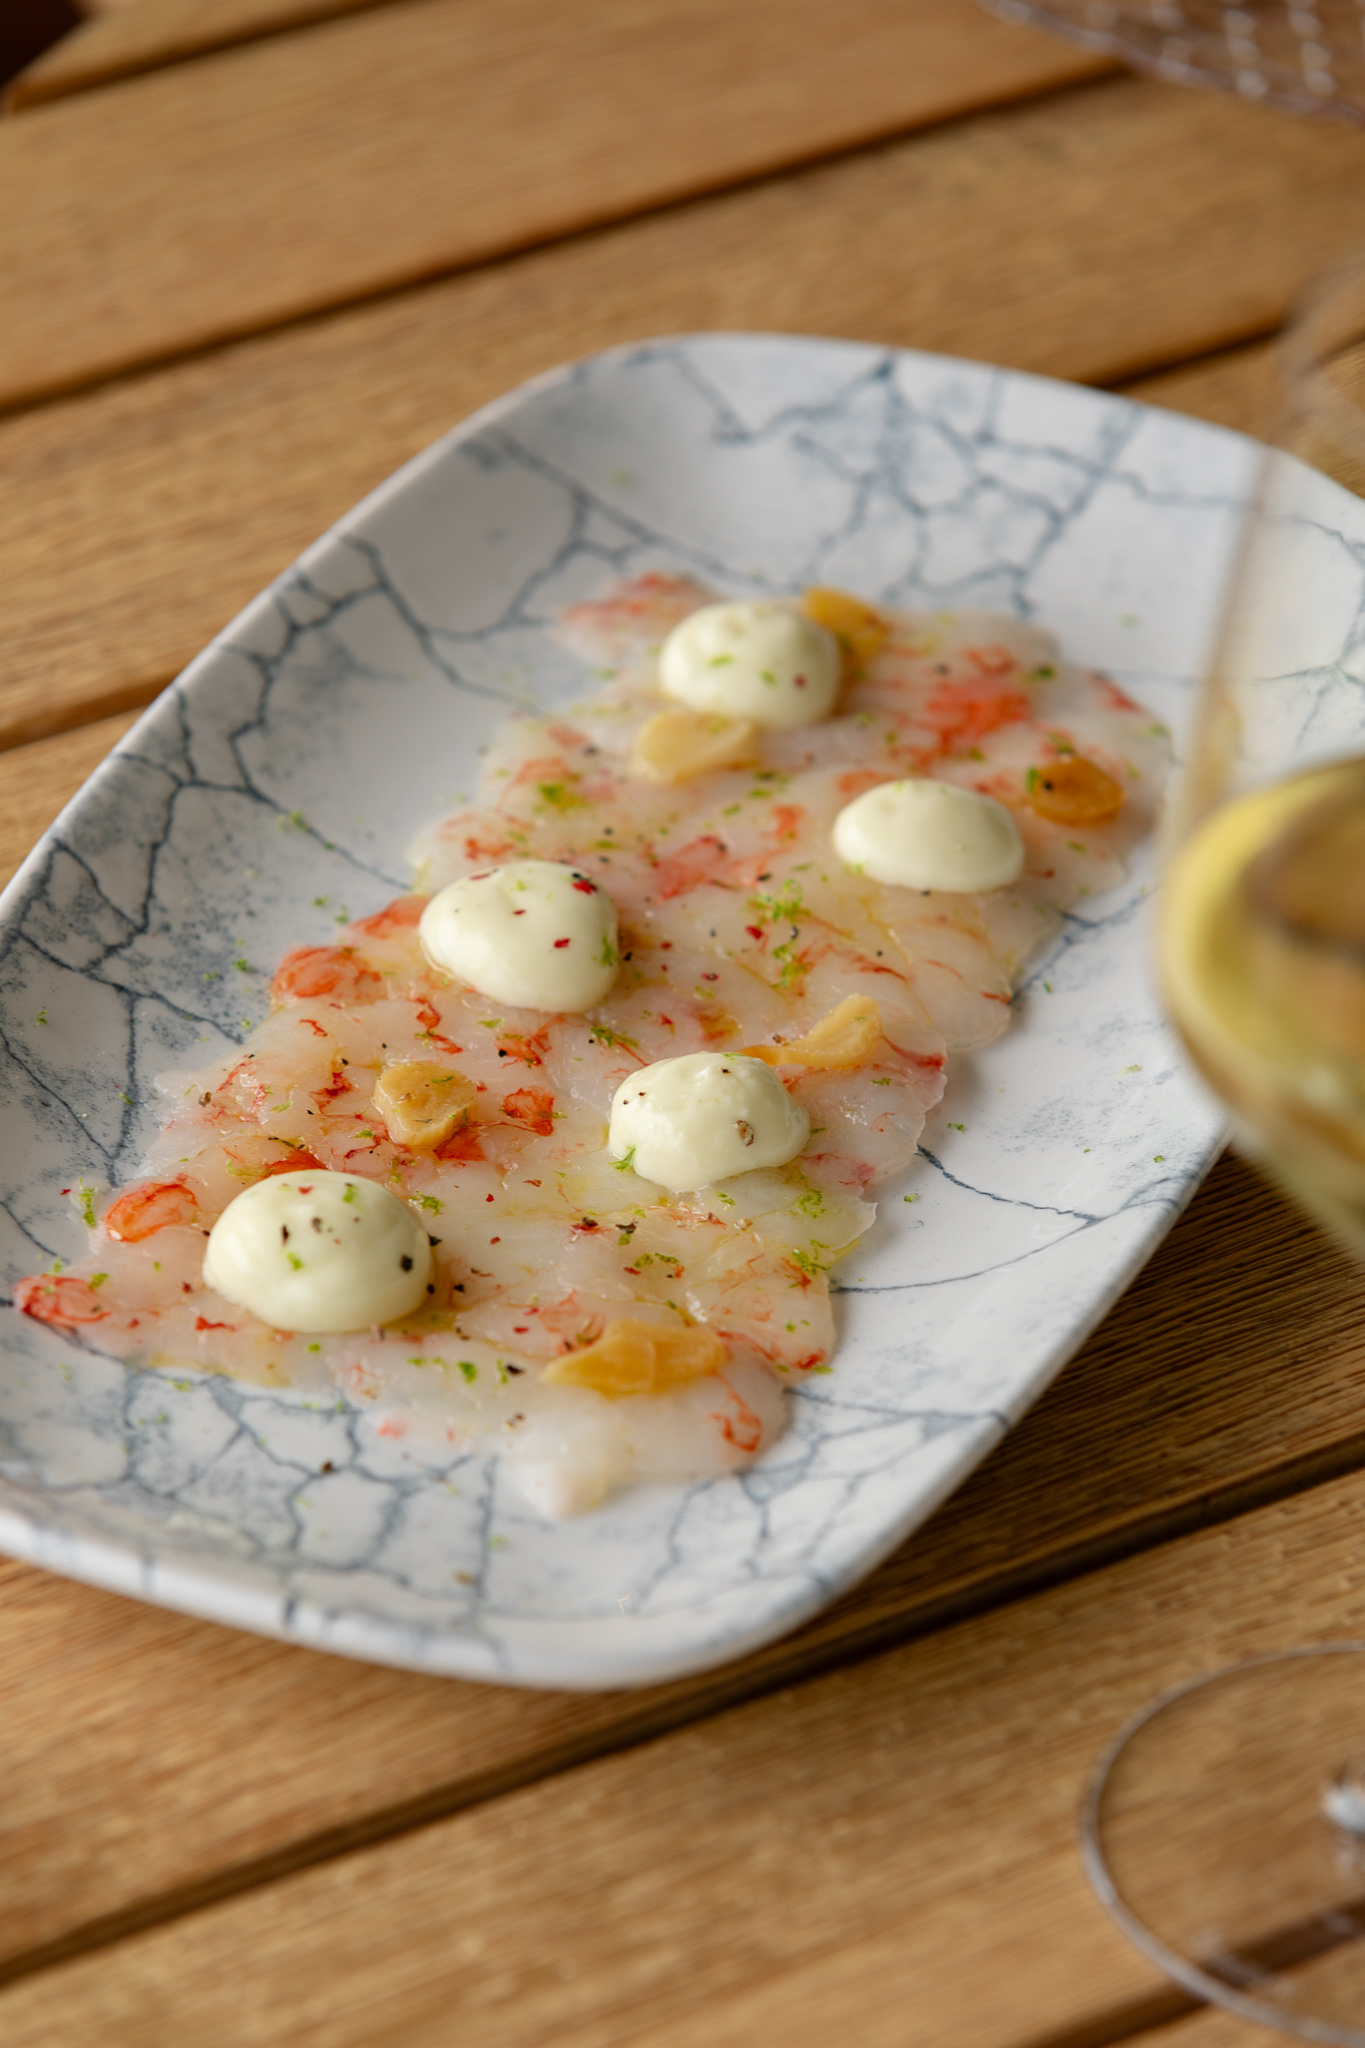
x=738 y=927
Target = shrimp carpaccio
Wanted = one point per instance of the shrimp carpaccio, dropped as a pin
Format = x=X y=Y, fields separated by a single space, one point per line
x=740 y=931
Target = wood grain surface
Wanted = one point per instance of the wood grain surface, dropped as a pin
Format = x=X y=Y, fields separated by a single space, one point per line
x=1208 y=2028
x=136 y=519
x=1237 y=388
x=405 y=141
x=1204 y=2028
x=900 y=1834
x=147 y=35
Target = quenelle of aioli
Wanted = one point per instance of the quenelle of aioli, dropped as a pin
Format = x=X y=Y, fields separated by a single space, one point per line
x=533 y=934
x=930 y=835
x=319 y=1252
x=767 y=662
x=704 y=1116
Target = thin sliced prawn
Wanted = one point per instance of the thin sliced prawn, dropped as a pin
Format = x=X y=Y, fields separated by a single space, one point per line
x=739 y=928
x=334 y=971
x=65 y=1300
x=142 y=1210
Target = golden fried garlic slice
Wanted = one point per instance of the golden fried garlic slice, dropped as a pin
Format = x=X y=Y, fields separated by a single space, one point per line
x=634 y=1357
x=860 y=631
x=676 y=745
x=422 y=1103
x=1075 y=792
x=847 y=1037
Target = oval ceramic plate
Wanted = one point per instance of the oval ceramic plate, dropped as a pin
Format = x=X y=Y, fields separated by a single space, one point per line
x=277 y=785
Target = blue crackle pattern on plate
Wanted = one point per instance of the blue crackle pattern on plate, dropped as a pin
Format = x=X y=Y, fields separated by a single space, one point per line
x=275 y=787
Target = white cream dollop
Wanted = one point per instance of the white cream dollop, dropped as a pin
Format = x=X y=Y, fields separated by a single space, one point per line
x=700 y=1118
x=318 y=1251
x=534 y=934
x=763 y=661
x=930 y=835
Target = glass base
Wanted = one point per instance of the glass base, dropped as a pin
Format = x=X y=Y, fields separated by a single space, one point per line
x=1225 y=1832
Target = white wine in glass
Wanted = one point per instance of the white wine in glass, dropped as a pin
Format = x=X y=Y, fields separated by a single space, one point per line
x=1226 y=1827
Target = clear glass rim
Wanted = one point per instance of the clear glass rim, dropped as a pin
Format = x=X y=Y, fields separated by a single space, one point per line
x=1304 y=387
x=1210 y=1990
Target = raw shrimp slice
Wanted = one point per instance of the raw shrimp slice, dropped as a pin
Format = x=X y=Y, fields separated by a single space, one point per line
x=140 y=1211
x=634 y=618
x=739 y=929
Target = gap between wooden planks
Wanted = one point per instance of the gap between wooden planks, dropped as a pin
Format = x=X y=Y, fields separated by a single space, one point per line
x=884 y=1854
x=1175 y=2022
x=37 y=780
x=270 y=181
x=152 y=34
x=1122 y=225
x=1179 y=2022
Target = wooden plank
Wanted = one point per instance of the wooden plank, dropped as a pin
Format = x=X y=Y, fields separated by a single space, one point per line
x=1236 y=389
x=1205 y=2028
x=149 y=34
x=35 y=782
x=1081 y=237
x=267 y=182
x=886 y=1854
x=1162 y=1423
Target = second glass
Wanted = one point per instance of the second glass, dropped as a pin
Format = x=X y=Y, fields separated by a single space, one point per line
x=1225 y=1830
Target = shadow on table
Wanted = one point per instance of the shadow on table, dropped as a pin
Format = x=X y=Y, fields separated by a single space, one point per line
x=28 y=27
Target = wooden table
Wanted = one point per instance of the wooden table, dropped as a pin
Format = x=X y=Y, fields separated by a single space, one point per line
x=253 y=254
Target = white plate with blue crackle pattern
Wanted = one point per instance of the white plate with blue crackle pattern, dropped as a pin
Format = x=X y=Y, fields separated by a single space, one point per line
x=346 y=702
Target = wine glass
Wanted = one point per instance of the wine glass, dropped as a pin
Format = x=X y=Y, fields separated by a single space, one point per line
x=1225 y=1827
x=1303 y=55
